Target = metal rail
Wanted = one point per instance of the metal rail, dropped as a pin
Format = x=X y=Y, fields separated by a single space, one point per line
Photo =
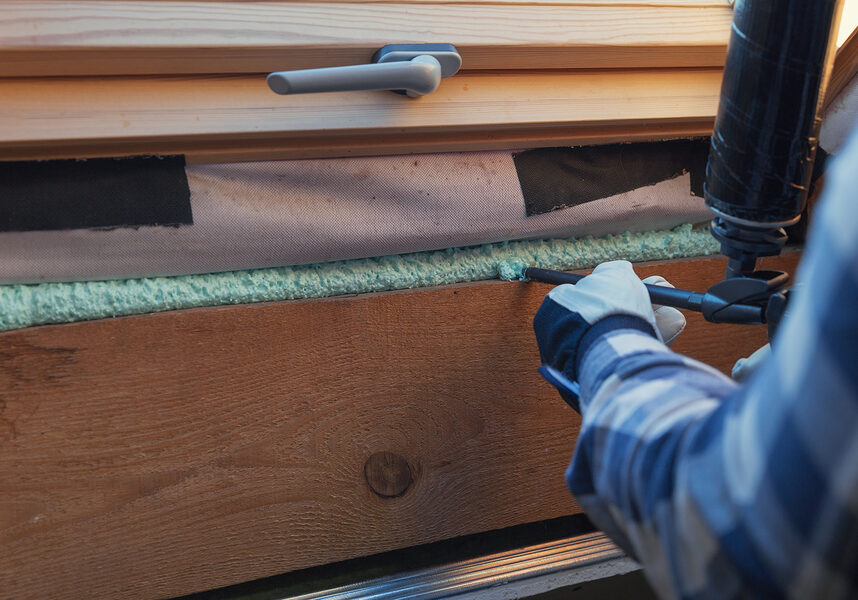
x=503 y=569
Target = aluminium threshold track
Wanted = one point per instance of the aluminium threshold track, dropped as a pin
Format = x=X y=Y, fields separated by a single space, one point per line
x=512 y=574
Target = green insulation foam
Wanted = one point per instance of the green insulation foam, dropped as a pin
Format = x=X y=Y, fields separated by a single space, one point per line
x=24 y=305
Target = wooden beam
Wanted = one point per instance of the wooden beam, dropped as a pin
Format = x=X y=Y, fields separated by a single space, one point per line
x=49 y=38
x=158 y=455
x=611 y=3
x=228 y=118
x=844 y=69
x=238 y=118
x=233 y=118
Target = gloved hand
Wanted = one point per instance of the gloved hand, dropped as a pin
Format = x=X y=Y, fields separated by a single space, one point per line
x=669 y=321
x=745 y=367
x=611 y=297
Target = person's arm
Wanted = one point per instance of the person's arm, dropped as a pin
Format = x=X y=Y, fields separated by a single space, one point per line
x=637 y=399
x=721 y=490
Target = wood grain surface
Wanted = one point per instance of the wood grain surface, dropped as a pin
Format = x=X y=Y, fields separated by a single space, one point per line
x=613 y=3
x=239 y=118
x=203 y=93
x=232 y=118
x=845 y=67
x=51 y=38
x=157 y=455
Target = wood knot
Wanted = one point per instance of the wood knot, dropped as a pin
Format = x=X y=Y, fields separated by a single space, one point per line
x=387 y=474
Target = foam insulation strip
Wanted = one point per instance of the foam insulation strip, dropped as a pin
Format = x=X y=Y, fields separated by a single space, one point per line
x=25 y=305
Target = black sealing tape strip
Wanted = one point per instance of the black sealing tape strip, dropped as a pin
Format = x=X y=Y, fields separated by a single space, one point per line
x=554 y=178
x=95 y=193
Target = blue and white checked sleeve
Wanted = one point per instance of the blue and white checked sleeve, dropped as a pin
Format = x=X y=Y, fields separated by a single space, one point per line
x=722 y=490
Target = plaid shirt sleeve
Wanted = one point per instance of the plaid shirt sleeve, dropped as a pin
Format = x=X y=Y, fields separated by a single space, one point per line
x=722 y=490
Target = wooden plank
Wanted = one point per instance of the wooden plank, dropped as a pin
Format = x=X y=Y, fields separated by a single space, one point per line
x=159 y=455
x=50 y=38
x=844 y=69
x=417 y=143
x=612 y=3
x=237 y=117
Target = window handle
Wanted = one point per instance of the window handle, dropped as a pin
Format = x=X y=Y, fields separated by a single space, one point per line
x=411 y=69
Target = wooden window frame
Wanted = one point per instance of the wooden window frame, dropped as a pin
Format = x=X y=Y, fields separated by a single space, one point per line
x=162 y=37
x=110 y=78
x=126 y=77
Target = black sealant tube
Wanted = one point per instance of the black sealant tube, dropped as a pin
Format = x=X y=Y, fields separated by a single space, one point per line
x=778 y=63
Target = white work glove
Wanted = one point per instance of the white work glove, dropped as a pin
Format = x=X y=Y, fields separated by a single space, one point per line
x=614 y=289
x=669 y=321
x=570 y=312
x=745 y=367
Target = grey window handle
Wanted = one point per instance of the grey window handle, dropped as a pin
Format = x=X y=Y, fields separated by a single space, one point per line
x=413 y=69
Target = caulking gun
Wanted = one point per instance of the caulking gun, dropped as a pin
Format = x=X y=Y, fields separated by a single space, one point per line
x=779 y=59
x=761 y=155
